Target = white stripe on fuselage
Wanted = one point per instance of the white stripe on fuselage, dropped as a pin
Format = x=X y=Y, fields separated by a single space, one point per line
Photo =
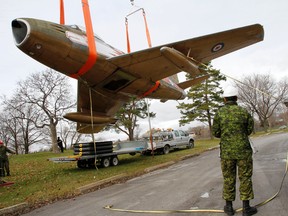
x=102 y=48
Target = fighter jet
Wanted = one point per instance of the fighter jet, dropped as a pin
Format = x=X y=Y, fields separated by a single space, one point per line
x=116 y=76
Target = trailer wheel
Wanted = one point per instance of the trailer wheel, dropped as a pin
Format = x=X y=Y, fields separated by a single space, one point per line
x=82 y=164
x=91 y=163
x=166 y=149
x=105 y=162
x=115 y=161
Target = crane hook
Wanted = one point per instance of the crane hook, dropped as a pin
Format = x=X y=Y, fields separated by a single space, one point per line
x=132 y=2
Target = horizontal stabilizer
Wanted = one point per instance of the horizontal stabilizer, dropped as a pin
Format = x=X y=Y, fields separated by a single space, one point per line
x=189 y=83
x=85 y=118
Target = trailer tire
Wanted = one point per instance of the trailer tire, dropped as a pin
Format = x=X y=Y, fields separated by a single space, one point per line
x=91 y=163
x=114 y=161
x=105 y=162
x=166 y=149
x=82 y=164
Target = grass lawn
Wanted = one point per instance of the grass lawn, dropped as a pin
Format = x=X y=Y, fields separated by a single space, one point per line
x=38 y=181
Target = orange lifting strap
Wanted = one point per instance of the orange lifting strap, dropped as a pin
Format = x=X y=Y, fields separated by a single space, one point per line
x=92 y=57
x=62 y=14
x=157 y=84
x=146 y=28
x=127 y=35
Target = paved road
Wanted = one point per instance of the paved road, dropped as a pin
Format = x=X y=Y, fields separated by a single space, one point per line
x=190 y=184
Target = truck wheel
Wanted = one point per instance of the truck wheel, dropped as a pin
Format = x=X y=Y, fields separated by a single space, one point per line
x=105 y=162
x=82 y=164
x=166 y=149
x=114 y=161
x=191 y=144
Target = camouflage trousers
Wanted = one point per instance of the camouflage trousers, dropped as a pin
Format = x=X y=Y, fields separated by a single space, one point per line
x=2 y=171
x=4 y=165
x=229 y=171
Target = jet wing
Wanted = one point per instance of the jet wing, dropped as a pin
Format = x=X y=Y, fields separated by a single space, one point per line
x=153 y=65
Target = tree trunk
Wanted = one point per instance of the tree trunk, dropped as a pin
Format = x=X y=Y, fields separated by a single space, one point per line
x=266 y=125
x=210 y=124
x=53 y=134
x=16 y=145
x=131 y=134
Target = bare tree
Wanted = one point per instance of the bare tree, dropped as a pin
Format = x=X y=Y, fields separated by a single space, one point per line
x=49 y=95
x=69 y=132
x=261 y=94
x=18 y=120
x=128 y=116
x=8 y=131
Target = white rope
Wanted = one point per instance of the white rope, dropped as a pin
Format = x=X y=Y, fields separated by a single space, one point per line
x=92 y=127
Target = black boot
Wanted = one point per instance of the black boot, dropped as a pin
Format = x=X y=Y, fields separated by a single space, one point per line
x=228 y=208
x=247 y=209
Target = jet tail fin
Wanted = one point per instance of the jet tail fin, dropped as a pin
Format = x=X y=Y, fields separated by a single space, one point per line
x=186 y=84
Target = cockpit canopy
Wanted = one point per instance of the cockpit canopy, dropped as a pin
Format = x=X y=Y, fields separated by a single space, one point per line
x=83 y=29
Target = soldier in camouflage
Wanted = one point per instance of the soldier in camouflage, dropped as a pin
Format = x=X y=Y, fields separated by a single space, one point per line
x=4 y=161
x=233 y=124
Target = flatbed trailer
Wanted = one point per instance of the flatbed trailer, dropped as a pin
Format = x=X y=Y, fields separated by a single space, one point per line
x=104 y=159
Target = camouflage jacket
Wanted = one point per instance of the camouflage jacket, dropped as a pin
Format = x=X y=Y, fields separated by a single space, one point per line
x=233 y=124
x=3 y=151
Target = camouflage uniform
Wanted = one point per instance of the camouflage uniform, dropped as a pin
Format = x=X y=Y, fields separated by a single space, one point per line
x=233 y=124
x=4 y=161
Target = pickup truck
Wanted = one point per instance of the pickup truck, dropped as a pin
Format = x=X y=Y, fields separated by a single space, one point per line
x=164 y=141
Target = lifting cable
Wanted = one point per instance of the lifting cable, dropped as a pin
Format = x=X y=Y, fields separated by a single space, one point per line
x=260 y=91
x=234 y=79
x=146 y=29
x=281 y=185
x=92 y=127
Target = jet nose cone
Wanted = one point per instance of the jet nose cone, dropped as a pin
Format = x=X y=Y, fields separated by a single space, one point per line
x=20 y=30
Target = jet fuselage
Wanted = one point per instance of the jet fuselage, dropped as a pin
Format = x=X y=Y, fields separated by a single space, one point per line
x=64 y=48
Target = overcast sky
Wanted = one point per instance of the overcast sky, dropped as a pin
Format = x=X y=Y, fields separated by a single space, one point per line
x=168 y=21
